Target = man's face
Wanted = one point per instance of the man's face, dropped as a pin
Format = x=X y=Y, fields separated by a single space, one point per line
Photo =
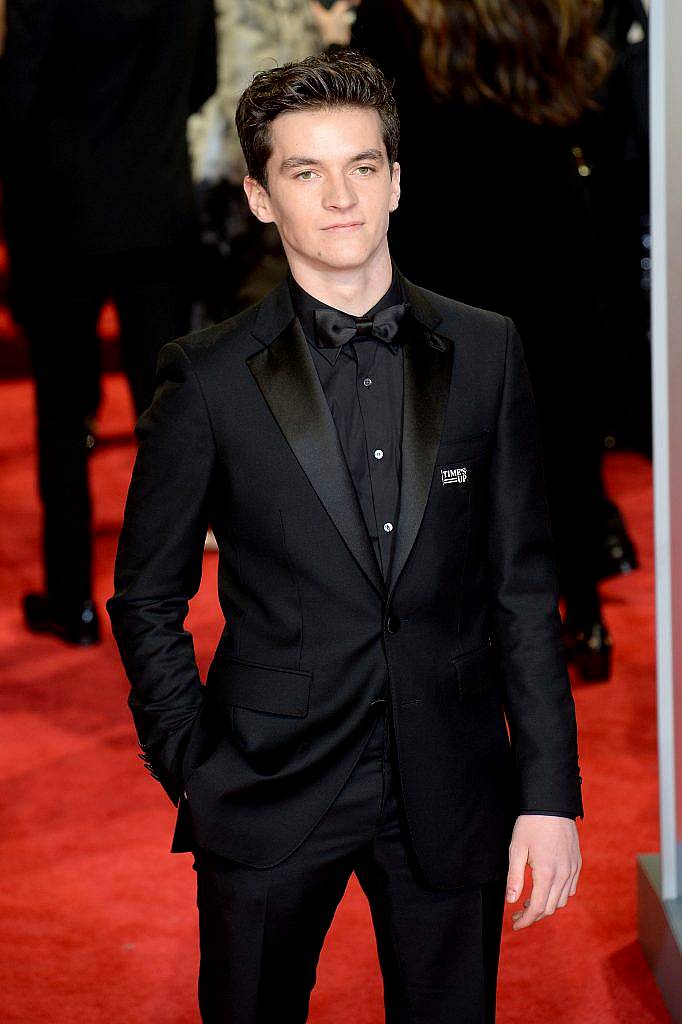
x=330 y=188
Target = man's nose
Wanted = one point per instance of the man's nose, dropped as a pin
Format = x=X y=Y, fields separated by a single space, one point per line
x=339 y=193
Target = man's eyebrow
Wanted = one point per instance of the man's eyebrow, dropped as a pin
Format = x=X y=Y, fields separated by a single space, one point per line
x=309 y=161
x=298 y=161
x=368 y=154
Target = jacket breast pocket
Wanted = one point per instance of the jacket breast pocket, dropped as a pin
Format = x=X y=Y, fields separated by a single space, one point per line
x=459 y=466
x=266 y=706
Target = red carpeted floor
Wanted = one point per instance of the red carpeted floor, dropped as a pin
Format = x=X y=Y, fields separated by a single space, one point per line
x=98 y=923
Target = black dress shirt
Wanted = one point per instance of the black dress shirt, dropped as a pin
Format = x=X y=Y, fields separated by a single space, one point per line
x=363 y=384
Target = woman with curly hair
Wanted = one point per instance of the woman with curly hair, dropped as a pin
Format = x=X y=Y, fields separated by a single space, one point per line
x=503 y=94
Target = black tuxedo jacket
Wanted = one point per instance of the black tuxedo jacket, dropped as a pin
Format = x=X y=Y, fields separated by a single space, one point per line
x=464 y=635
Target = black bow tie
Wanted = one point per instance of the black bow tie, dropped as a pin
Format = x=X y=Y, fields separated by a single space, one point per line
x=333 y=329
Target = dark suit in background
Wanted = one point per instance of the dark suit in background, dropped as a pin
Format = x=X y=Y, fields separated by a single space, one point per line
x=98 y=202
x=461 y=630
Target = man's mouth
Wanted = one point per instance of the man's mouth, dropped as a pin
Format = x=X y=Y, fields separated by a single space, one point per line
x=349 y=226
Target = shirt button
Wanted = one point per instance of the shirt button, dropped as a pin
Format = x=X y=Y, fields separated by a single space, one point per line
x=378 y=454
x=367 y=382
x=388 y=527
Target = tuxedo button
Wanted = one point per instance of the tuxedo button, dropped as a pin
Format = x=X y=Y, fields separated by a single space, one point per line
x=392 y=624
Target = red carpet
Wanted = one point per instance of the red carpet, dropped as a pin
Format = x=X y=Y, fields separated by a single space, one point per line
x=98 y=924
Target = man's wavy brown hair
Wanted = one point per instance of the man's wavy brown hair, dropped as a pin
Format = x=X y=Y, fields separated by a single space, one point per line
x=541 y=59
x=334 y=78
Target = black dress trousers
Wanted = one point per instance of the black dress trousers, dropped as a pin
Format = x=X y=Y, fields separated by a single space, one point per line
x=151 y=290
x=262 y=930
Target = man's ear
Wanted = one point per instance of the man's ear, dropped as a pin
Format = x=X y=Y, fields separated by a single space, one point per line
x=258 y=200
x=395 y=188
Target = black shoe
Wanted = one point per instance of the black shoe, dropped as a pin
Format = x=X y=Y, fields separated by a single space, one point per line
x=90 y=435
x=78 y=624
x=617 y=555
x=590 y=649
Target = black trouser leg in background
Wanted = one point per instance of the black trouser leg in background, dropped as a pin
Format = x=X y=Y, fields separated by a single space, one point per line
x=153 y=302
x=575 y=493
x=61 y=330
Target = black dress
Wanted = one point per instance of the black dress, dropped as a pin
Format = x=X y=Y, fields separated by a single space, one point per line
x=497 y=212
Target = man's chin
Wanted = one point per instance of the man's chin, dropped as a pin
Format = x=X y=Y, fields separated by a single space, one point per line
x=345 y=257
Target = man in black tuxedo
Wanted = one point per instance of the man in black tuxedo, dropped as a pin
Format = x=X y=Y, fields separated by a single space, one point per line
x=389 y=694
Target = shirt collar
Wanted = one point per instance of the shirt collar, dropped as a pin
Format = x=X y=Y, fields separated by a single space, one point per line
x=305 y=306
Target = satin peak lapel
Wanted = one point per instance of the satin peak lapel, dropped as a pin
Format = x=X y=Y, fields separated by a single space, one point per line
x=286 y=375
x=428 y=367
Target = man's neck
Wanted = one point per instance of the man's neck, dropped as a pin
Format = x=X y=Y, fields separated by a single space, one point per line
x=351 y=291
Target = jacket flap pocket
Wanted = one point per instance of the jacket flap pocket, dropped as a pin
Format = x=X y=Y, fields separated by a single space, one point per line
x=246 y=684
x=478 y=673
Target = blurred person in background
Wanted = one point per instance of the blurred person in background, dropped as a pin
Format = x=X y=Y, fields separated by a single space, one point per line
x=240 y=258
x=504 y=88
x=99 y=203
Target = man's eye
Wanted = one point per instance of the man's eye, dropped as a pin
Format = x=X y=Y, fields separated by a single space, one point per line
x=365 y=171
x=306 y=175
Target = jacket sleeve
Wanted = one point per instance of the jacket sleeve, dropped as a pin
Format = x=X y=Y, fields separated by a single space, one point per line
x=527 y=626
x=158 y=566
